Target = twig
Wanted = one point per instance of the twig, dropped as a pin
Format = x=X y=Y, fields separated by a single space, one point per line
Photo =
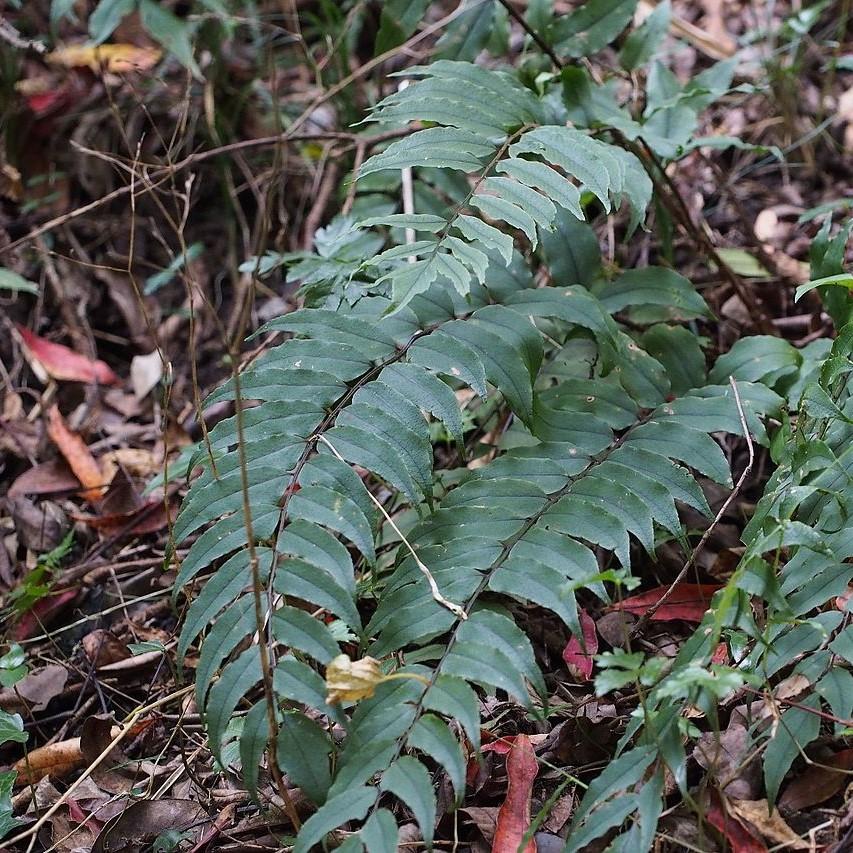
x=290 y=135
x=11 y=35
x=649 y=614
x=455 y=609
x=540 y=42
x=669 y=193
x=328 y=184
x=125 y=730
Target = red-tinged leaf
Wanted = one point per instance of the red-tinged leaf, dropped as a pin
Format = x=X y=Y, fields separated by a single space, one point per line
x=77 y=455
x=578 y=657
x=721 y=654
x=514 y=815
x=688 y=602
x=60 y=362
x=44 y=611
x=738 y=836
x=817 y=783
x=149 y=518
x=501 y=746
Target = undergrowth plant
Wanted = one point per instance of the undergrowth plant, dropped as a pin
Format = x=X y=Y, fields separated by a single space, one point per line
x=474 y=413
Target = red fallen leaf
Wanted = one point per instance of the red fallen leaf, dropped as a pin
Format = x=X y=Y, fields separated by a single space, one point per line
x=721 y=654
x=688 y=602
x=77 y=455
x=41 y=613
x=578 y=660
x=60 y=362
x=738 y=836
x=817 y=784
x=514 y=815
x=151 y=517
x=501 y=746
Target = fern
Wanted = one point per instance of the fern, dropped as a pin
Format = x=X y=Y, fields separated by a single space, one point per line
x=605 y=440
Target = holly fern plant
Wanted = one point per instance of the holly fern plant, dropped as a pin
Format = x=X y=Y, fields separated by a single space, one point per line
x=472 y=414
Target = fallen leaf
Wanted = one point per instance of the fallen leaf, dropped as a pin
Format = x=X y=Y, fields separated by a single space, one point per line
x=55 y=759
x=729 y=758
x=141 y=822
x=737 y=835
x=47 y=478
x=770 y=825
x=114 y=58
x=103 y=647
x=145 y=372
x=149 y=518
x=40 y=526
x=688 y=602
x=60 y=362
x=38 y=687
x=818 y=782
x=42 y=613
x=77 y=455
x=577 y=656
x=514 y=815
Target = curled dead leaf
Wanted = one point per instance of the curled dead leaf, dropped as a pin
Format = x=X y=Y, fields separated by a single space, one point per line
x=55 y=759
x=77 y=455
x=351 y=680
x=114 y=58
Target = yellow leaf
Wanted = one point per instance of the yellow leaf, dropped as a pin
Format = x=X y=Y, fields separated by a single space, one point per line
x=114 y=58
x=349 y=681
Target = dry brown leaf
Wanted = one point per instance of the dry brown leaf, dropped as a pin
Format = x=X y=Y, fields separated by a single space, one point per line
x=114 y=58
x=771 y=826
x=77 y=454
x=41 y=685
x=55 y=759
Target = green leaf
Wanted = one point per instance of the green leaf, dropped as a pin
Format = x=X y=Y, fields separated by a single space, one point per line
x=12 y=728
x=759 y=358
x=15 y=283
x=303 y=750
x=436 y=148
x=455 y=699
x=655 y=286
x=253 y=742
x=227 y=632
x=173 y=33
x=107 y=15
x=305 y=633
x=379 y=832
x=591 y=27
x=641 y=44
x=432 y=736
x=409 y=780
x=399 y=19
x=7 y=784
x=349 y=805
x=842 y=280
x=619 y=775
x=234 y=683
x=678 y=350
x=796 y=729
x=571 y=251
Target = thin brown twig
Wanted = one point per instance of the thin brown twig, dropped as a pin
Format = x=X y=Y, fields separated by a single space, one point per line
x=649 y=614
x=674 y=201
x=540 y=42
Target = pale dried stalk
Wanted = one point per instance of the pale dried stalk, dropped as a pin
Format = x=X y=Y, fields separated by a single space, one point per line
x=455 y=609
